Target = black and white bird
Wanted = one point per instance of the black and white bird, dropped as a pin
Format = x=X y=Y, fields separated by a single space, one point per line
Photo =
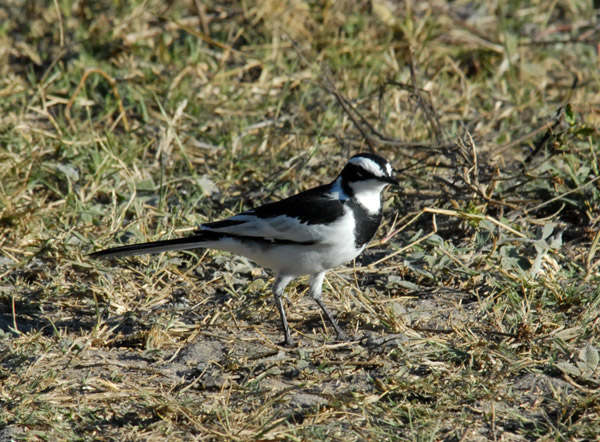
x=305 y=234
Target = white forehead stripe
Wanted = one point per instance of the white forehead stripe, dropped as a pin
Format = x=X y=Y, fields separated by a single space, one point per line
x=371 y=166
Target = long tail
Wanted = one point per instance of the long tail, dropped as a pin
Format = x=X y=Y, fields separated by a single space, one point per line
x=191 y=242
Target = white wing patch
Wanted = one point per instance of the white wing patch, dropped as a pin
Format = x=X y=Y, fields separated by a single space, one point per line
x=277 y=228
x=330 y=245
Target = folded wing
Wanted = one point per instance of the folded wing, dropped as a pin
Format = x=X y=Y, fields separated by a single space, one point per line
x=298 y=219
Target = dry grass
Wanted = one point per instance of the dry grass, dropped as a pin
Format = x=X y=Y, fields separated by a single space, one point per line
x=476 y=316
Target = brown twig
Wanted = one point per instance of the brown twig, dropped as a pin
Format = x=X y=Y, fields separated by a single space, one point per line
x=113 y=85
x=347 y=107
x=552 y=125
x=474 y=216
x=429 y=111
x=447 y=331
x=562 y=195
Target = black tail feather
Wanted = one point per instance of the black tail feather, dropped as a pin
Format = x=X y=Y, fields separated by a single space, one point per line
x=191 y=242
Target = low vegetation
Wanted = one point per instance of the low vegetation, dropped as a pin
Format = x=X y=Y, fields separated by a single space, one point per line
x=475 y=312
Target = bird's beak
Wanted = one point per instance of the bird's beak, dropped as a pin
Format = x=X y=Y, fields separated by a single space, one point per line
x=389 y=180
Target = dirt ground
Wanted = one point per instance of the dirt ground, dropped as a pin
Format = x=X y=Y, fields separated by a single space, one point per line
x=473 y=316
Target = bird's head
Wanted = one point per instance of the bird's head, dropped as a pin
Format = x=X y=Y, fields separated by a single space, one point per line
x=368 y=170
x=364 y=177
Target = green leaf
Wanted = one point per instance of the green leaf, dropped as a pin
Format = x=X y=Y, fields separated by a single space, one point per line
x=585 y=131
x=568 y=368
x=569 y=115
x=145 y=184
x=547 y=230
x=589 y=355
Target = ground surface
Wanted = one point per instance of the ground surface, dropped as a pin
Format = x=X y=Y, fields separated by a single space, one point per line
x=474 y=314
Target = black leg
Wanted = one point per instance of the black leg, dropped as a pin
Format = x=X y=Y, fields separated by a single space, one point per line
x=316 y=288
x=280 y=283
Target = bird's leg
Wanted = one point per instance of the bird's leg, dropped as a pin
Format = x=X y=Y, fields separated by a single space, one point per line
x=316 y=288
x=278 y=287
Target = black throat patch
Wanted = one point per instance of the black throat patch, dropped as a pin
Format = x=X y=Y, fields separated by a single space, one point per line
x=366 y=223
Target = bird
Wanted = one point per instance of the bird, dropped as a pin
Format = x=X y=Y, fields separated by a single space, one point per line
x=305 y=234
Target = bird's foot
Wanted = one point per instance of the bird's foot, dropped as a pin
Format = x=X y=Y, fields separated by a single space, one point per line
x=288 y=342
